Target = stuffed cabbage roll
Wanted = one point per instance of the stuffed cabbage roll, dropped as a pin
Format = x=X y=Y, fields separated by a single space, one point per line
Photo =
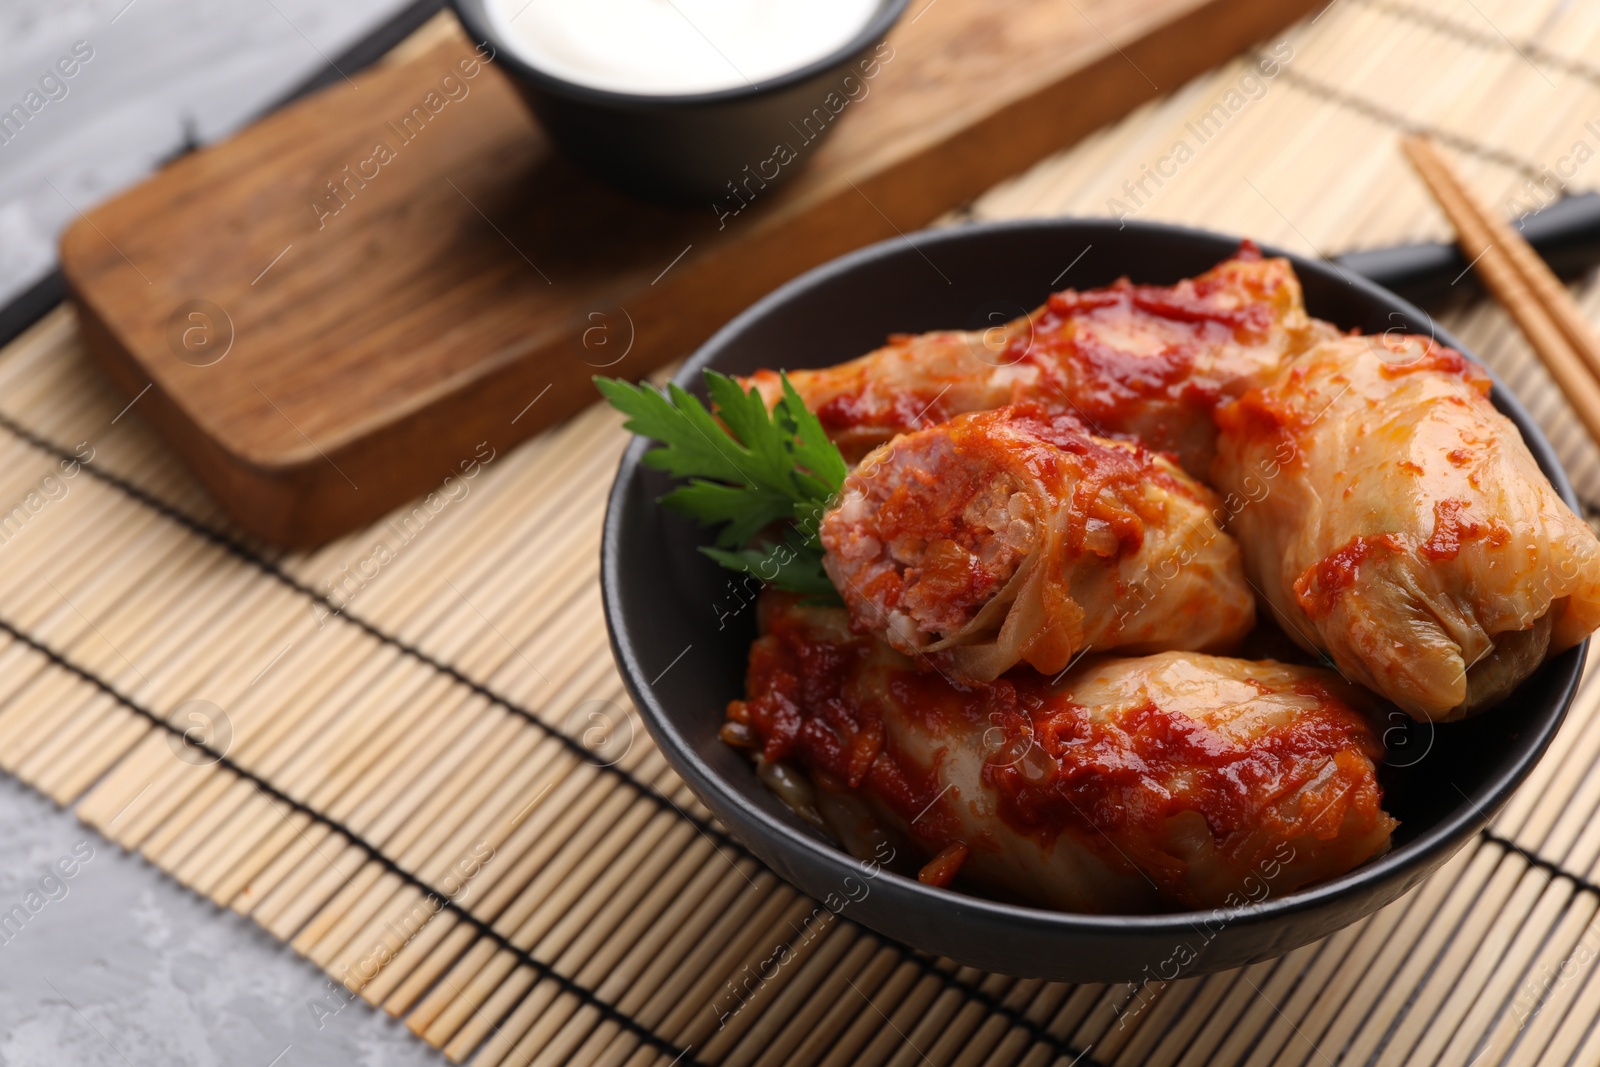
x=1177 y=780
x=1014 y=536
x=1396 y=522
x=1145 y=362
x=915 y=380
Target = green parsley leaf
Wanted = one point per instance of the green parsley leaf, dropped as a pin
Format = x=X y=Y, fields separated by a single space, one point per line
x=762 y=479
x=810 y=445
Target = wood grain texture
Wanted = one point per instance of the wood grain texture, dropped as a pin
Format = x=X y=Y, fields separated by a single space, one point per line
x=477 y=273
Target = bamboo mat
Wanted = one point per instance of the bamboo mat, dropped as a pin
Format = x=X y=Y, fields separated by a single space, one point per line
x=408 y=755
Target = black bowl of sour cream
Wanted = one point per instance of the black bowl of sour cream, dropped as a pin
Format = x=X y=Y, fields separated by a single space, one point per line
x=687 y=101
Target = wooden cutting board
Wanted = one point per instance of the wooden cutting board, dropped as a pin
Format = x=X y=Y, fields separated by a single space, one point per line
x=323 y=328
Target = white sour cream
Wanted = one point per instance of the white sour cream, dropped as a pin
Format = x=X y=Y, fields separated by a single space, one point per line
x=669 y=47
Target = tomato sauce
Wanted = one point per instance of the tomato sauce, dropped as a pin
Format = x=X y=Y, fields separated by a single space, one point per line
x=905 y=411
x=1104 y=482
x=1092 y=350
x=1110 y=384
x=799 y=706
x=1126 y=776
x=1320 y=586
x=1452 y=529
x=929 y=506
x=1441 y=360
x=1050 y=765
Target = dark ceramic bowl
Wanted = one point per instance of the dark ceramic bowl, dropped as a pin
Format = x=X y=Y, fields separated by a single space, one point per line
x=689 y=148
x=681 y=638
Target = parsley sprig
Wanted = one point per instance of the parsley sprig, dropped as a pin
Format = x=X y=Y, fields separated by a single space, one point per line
x=747 y=474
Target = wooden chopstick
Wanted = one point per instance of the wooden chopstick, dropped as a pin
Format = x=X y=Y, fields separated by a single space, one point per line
x=1535 y=298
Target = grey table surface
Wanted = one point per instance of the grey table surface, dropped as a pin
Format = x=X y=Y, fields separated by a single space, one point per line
x=121 y=966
